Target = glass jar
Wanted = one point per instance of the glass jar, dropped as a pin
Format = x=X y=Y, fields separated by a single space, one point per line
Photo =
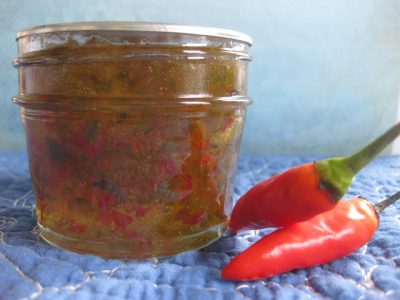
x=133 y=132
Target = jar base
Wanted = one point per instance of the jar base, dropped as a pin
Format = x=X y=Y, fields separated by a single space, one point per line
x=122 y=249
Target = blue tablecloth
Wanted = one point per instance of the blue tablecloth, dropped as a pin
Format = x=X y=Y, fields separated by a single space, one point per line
x=32 y=269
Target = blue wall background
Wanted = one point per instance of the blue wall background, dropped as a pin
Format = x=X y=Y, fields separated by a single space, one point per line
x=325 y=76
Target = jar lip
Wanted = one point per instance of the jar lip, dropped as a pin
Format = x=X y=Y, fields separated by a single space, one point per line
x=137 y=27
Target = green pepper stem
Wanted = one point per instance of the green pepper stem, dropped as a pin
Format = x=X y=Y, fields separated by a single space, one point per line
x=336 y=174
x=379 y=207
x=361 y=158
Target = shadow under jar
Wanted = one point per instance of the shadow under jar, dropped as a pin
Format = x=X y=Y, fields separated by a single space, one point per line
x=133 y=132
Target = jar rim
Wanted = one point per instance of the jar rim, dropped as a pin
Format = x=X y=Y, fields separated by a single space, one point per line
x=153 y=27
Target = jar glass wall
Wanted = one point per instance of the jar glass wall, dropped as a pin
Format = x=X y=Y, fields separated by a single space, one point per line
x=133 y=133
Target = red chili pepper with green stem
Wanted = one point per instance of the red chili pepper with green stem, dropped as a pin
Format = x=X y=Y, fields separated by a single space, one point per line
x=304 y=191
x=327 y=236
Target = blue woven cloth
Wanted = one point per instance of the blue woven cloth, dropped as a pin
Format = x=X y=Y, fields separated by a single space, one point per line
x=32 y=269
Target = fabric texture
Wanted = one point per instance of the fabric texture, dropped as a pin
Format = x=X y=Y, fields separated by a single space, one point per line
x=32 y=269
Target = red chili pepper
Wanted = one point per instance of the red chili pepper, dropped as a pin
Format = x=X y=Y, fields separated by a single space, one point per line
x=303 y=191
x=328 y=236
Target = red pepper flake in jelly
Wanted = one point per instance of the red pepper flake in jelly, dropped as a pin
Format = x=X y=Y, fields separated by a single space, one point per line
x=181 y=182
x=114 y=218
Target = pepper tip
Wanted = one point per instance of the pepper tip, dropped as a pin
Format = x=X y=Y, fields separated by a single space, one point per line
x=227 y=275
